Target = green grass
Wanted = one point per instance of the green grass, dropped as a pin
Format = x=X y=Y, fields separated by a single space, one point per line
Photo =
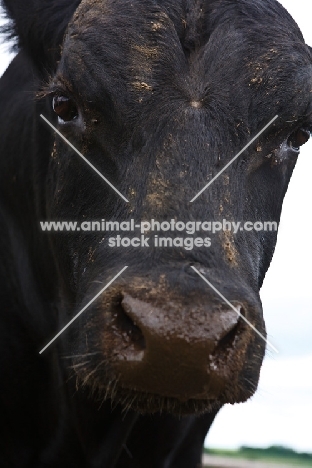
x=274 y=454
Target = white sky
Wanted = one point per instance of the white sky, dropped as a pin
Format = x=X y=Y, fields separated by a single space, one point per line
x=281 y=411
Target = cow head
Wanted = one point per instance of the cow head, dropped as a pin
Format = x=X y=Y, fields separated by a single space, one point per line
x=159 y=97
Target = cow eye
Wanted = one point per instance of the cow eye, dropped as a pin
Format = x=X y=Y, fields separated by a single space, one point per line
x=65 y=108
x=299 y=138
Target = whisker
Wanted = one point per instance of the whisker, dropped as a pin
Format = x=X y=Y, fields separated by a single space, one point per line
x=74 y=366
x=85 y=379
x=74 y=356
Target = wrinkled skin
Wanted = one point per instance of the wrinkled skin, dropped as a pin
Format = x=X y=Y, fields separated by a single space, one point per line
x=161 y=96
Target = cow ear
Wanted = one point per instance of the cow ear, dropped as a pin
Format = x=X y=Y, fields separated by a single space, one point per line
x=39 y=27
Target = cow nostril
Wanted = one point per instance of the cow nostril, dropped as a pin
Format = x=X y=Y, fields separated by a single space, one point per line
x=131 y=334
x=227 y=342
x=228 y=339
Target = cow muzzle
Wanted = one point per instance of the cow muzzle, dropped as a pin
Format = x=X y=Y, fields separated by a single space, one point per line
x=179 y=352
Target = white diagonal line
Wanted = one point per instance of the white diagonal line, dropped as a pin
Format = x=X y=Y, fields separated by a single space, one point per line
x=84 y=158
x=235 y=157
x=234 y=308
x=82 y=310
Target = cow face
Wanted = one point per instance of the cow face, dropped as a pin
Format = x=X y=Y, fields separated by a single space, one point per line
x=159 y=98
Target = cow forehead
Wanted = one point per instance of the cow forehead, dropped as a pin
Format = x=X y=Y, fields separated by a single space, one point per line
x=173 y=33
x=192 y=20
x=190 y=50
x=92 y=10
x=123 y=27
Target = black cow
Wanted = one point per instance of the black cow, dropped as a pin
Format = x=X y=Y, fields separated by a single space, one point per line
x=158 y=95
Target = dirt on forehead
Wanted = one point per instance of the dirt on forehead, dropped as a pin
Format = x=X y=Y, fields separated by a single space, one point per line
x=139 y=24
x=145 y=14
x=90 y=10
x=96 y=5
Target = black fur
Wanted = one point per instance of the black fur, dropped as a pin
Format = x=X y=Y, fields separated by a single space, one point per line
x=39 y=27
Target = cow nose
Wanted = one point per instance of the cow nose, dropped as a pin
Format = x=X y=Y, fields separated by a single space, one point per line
x=169 y=353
